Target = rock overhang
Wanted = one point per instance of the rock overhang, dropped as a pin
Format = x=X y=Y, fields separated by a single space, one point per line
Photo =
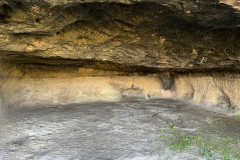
x=186 y=46
x=160 y=34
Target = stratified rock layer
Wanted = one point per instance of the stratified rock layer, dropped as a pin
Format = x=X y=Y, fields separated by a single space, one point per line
x=163 y=35
x=61 y=52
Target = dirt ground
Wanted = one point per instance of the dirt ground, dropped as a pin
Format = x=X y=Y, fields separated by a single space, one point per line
x=128 y=130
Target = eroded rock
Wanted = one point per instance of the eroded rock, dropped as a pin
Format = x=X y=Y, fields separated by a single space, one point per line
x=165 y=34
x=62 y=52
x=219 y=89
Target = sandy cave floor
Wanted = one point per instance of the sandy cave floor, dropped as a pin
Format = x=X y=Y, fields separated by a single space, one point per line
x=127 y=130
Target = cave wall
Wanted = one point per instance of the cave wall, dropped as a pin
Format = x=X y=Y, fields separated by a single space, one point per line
x=220 y=90
x=35 y=85
x=61 y=91
x=62 y=52
x=27 y=85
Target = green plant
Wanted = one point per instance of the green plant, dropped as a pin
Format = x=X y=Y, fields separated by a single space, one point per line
x=208 y=153
x=181 y=142
x=172 y=124
x=162 y=136
x=208 y=148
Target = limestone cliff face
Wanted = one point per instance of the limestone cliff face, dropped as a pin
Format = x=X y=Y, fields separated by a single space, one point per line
x=73 y=51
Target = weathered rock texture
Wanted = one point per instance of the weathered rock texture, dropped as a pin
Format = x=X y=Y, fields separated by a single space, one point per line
x=61 y=51
x=172 y=34
x=31 y=85
x=37 y=85
x=219 y=89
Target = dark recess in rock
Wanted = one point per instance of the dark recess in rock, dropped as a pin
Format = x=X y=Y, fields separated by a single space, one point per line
x=167 y=81
x=5 y=13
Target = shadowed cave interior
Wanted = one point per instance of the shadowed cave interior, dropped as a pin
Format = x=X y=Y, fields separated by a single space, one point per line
x=89 y=66
x=188 y=53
